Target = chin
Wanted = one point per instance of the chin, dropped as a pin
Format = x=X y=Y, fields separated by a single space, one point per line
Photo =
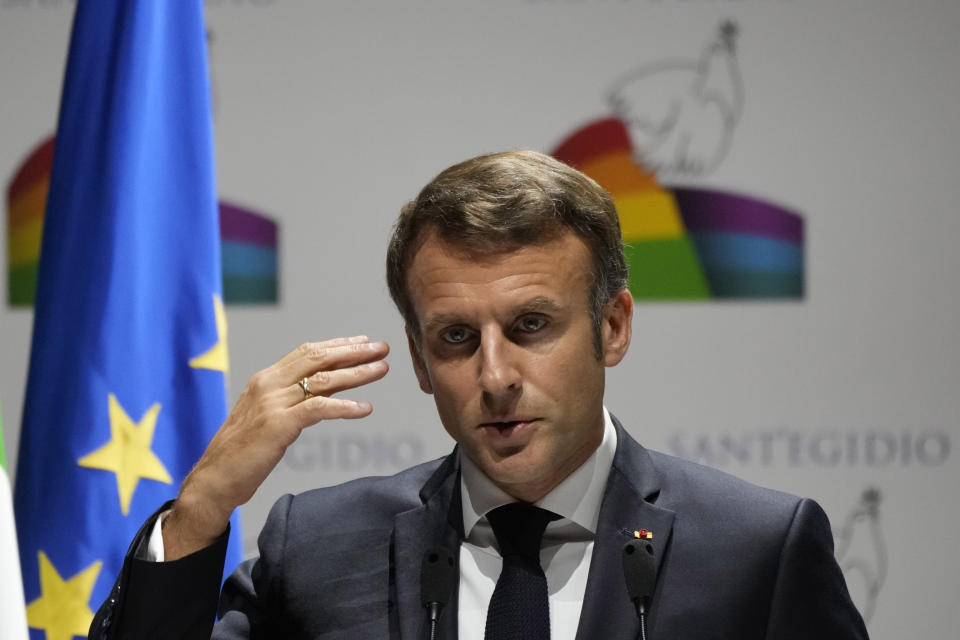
x=514 y=471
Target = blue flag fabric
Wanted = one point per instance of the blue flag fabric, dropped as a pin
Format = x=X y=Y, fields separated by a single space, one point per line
x=128 y=363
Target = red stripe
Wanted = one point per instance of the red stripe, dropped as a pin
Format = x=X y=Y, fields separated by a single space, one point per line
x=36 y=167
x=595 y=139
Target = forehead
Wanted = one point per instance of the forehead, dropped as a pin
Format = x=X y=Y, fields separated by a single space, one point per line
x=443 y=278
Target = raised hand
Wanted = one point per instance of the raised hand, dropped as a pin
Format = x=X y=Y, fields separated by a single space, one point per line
x=276 y=405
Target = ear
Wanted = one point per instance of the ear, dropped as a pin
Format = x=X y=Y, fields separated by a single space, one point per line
x=419 y=366
x=616 y=328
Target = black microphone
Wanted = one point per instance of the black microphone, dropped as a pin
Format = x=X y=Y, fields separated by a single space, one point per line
x=640 y=571
x=438 y=574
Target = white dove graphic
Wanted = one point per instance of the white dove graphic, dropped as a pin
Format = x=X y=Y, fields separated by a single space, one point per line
x=862 y=554
x=681 y=113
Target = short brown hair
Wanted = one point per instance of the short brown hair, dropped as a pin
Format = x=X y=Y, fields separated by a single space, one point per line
x=501 y=202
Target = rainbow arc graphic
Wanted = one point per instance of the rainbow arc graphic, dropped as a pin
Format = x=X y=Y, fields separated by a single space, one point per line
x=689 y=243
x=682 y=243
x=248 y=240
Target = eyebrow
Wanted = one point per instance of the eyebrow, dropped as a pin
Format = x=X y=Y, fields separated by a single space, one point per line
x=537 y=305
x=440 y=320
x=534 y=305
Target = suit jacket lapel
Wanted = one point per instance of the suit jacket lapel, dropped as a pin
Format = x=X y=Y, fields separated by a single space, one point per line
x=438 y=521
x=628 y=505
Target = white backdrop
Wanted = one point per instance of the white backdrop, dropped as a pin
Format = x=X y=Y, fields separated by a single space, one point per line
x=329 y=116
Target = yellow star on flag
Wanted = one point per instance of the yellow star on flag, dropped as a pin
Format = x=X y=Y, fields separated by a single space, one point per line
x=128 y=452
x=215 y=358
x=63 y=608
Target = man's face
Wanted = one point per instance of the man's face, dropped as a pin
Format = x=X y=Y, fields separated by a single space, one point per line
x=507 y=349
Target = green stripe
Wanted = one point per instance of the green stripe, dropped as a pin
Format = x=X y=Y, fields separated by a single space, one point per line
x=745 y=283
x=22 y=285
x=239 y=289
x=665 y=269
x=3 y=458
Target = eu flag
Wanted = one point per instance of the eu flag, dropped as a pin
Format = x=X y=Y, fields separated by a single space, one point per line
x=127 y=371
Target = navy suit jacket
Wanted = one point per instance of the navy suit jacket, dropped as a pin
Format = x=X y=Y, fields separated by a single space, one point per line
x=735 y=561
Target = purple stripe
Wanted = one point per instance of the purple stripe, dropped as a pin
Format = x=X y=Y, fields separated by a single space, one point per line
x=707 y=210
x=246 y=227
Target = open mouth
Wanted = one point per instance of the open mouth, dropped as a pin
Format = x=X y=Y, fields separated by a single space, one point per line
x=508 y=427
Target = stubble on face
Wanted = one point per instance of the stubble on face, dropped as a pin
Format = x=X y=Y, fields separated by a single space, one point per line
x=507 y=349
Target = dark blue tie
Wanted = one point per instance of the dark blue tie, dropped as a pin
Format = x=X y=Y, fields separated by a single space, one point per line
x=519 y=609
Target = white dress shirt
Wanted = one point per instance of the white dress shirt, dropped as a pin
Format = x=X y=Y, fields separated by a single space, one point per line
x=567 y=542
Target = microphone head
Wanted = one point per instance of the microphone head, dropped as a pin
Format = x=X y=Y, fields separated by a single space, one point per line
x=639 y=568
x=438 y=574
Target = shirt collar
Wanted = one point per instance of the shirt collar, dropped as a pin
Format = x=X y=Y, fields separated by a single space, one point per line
x=577 y=498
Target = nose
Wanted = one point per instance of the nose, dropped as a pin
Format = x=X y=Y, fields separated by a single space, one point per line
x=499 y=371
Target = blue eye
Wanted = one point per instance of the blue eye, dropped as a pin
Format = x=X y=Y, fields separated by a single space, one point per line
x=455 y=335
x=531 y=324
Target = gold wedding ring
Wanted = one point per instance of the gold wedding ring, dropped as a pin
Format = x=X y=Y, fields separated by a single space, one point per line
x=305 y=386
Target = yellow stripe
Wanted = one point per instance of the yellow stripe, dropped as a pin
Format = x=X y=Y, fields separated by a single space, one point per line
x=23 y=243
x=645 y=216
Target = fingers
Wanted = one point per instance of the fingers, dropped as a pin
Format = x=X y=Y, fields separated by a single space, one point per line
x=314 y=357
x=297 y=353
x=317 y=408
x=327 y=383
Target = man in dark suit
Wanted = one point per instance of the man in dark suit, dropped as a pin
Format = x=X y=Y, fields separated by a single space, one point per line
x=509 y=272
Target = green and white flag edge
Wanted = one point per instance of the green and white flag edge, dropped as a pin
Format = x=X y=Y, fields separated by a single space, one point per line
x=13 y=616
